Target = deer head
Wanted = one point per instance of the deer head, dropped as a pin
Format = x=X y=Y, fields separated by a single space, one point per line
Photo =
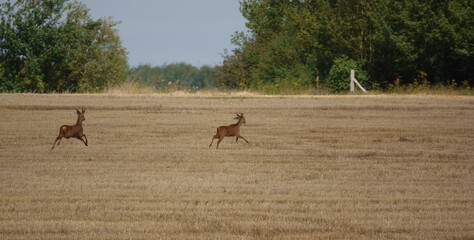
x=80 y=114
x=241 y=116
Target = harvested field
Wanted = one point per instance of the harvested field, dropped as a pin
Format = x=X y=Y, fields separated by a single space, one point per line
x=338 y=167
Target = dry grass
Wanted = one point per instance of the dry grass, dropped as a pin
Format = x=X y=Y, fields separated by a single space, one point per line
x=353 y=167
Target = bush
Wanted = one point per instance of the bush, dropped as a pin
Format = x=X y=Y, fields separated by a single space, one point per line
x=293 y=81
x=339 y=75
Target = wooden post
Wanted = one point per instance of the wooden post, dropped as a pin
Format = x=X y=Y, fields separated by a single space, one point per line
x=317 y=80
x=353 y=80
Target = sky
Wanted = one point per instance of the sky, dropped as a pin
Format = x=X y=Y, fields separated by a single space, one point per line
x=159 y=32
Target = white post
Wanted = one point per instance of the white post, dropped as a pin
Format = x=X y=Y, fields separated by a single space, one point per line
x=352 y=79
x=355 y=80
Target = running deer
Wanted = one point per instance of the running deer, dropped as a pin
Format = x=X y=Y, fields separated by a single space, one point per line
x=230 y=131
x=74 y=131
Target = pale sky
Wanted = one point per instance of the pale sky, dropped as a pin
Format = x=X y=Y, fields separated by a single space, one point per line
x=158 y=32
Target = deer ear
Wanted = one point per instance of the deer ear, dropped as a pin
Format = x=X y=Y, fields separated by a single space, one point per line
x=78 y=111
x=83 y=111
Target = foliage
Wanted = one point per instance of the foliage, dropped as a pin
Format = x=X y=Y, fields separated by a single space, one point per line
x=174 y=76
x=388 y=39
x=338 y=80
x=421 y=85
x=55 y=46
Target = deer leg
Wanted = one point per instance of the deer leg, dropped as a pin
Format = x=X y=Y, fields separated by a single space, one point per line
x=220 y=140
x=244 y=139
x=54 y=144
x=82 y=140
x=239 y=136
x=236 y=139
x=213 y=140
x=86 y=140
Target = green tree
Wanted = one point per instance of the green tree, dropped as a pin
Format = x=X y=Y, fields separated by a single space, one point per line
x=277 y=52
x=54 y=45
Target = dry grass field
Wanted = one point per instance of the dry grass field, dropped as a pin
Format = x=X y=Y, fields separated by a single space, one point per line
x=329 y=167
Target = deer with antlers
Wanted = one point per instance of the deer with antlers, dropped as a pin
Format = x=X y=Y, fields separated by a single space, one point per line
x=74 y=131
x=230 y=131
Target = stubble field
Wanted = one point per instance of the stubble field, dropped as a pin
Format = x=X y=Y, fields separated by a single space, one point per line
x=339 y=167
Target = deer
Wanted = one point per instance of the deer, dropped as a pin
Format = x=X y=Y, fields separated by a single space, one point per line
x=75 y=131
x=230 y=131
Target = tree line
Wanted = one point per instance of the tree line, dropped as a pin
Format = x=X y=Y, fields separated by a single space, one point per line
x=56 y=46
x=295 y=42
x=175 y=75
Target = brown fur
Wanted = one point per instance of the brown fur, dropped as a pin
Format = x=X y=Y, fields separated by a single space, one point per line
x=229 y=131
x=74 y=131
